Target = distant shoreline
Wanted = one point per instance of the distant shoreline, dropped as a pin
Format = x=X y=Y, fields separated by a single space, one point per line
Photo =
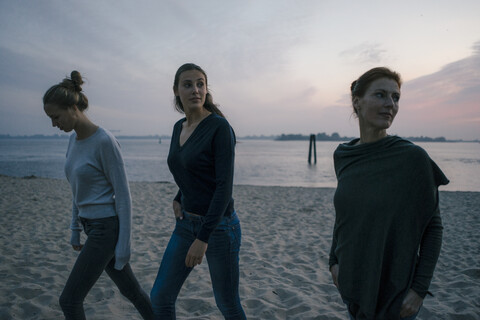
x=282 y=137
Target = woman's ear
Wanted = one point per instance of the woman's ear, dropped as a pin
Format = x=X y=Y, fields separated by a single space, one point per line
x=175 y=91
x=356 y=103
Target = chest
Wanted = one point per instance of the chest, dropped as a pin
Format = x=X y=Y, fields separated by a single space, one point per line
x=83 y=163
x=185 y=133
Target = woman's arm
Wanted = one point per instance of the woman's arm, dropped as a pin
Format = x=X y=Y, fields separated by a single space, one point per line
x=76 y=228
x=114 y=170
x=333 y=261
x=224 y=157
x=428 y=255
x=427 y=260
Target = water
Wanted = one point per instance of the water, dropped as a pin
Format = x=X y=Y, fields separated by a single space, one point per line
x=258 y=162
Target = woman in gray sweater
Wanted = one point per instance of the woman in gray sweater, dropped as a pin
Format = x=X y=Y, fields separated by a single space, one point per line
x=101 y=202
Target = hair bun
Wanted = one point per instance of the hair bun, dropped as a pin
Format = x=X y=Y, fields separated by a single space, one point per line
x=77 y=80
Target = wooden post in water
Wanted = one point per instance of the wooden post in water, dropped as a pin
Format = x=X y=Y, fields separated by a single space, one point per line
x=313 y=143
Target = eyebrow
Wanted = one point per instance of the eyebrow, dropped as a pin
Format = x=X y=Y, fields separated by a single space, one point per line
x=383 y=90
x=201 y=79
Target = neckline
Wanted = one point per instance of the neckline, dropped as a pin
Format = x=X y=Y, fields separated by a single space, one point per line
x=89 y=137
x=193 y=132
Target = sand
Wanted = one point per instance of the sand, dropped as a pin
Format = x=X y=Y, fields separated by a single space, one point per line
x=283 y=259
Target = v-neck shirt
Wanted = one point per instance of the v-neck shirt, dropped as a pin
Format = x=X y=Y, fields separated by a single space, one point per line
x=203 y=168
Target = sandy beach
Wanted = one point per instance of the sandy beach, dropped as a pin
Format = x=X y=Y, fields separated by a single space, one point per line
x=283 y=260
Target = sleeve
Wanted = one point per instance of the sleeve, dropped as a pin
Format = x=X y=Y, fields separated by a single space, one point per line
x=333 y=258
x=115 y=173
x=224 y=157
x=178 y=197
x=431 y=241
x=428 y=255
x=75 y=226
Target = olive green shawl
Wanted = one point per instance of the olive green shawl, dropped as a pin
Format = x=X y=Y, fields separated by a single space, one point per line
x=386 y=197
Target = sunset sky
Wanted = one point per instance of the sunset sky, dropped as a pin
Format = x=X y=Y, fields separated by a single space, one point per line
x=273 y=66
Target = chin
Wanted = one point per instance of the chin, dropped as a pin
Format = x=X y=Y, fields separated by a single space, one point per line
x=385 y=125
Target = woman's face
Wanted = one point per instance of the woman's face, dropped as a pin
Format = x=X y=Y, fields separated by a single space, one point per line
x=64 y=119
x=379 y=105
x=192 y=89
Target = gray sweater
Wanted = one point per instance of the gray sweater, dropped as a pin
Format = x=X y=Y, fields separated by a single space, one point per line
x=96 y=173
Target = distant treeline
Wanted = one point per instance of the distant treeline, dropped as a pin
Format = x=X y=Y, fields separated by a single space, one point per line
x=283 y=137
x=66 y=136
x=319 y=136
x=336 y=137
x=35 y=136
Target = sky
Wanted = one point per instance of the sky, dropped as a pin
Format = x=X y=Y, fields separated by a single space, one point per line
x=273 y=66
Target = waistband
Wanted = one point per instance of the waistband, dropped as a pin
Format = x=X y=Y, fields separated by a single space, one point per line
x=194 y=217
x=82 y=219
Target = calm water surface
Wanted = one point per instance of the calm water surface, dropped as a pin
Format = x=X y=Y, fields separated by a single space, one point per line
x=258 y=162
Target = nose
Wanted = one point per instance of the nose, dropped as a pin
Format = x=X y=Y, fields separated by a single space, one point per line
x=195 y=89
x=389 y=101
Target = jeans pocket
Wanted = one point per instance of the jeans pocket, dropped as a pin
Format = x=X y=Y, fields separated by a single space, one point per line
x=236 y=237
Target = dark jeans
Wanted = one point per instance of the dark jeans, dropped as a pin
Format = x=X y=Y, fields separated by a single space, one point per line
x=222 y=258
x=97 y=255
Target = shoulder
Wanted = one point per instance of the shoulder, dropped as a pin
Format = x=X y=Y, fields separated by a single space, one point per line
x=106 y=139
x=344 y=145
x=217 y=121
x=179 y=122
x=220 y=129
x=409 y=147
x=420 y=159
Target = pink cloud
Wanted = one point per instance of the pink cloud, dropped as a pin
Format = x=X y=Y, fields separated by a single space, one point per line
x=444 y=103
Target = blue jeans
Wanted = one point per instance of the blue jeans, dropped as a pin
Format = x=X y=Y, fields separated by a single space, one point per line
x=222 y=257
x=97 y=255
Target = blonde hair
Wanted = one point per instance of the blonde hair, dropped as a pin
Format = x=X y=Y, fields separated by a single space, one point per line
x=67 y=93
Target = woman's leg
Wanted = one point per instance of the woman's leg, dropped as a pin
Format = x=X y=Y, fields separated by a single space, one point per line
x=92 y=260
x=130 y=288
x=222 y=257
x=172 y=272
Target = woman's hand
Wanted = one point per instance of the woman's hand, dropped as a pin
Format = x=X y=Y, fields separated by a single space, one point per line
x=177 y=210
x=195 y=253
x=77 y=248
x=411 y=304
x=334 y=272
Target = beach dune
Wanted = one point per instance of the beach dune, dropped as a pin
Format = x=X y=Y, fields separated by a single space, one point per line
x=283 y=259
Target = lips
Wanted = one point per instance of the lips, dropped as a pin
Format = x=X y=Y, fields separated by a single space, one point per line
x=386 y=114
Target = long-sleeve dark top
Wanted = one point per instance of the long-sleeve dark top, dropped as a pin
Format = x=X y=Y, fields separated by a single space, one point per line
x=203 y=170
x=388 y=231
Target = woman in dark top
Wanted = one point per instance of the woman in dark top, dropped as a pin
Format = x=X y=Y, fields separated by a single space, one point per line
x=388 y=231
x=201 y=160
